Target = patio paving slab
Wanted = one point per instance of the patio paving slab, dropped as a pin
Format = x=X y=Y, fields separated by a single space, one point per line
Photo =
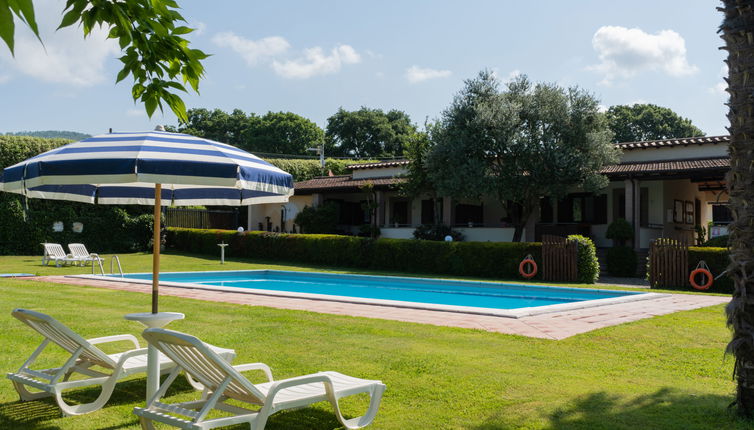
x=556 y=325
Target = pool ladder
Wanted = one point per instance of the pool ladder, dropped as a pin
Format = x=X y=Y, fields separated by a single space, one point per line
x=115 y=258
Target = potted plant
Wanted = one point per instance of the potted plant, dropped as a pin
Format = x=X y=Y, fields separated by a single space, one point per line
x=620 y=231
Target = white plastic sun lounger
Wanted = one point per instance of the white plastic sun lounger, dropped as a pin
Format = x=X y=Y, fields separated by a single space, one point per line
x=225 y=382
x=84 y=356
x=79 y=251
x=54 y=252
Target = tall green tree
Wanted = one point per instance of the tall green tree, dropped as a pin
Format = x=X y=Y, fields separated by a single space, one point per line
x=155 y=54
x=369 y=132
x=521 y=144
x=738 y=31
x=418 y=182
x=639 y=122
x=218 y=125
x=283 y=133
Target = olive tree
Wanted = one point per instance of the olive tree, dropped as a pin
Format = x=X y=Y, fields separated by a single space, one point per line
x=520 y=144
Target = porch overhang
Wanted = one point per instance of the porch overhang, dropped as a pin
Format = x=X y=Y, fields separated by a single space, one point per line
x=697 y=170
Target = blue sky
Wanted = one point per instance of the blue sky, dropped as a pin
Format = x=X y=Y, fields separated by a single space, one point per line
x=313 y=57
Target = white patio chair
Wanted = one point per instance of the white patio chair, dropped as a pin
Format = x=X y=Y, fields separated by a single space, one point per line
x=79 y=251
x=84 y=356
x=54 y=252
x=225 y=382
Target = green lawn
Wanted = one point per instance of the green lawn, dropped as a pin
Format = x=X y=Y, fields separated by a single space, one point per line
x=667 y=372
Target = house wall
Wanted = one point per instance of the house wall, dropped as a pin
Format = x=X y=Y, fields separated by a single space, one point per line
x=675 y=153
x=293 y=207
x=684 y=190
x=382 y=172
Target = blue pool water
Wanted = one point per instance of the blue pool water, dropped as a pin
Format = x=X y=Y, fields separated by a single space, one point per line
x=416 y=290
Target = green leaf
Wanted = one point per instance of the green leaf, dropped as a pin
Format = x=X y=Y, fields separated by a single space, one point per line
x=7 y=26
x=122 y=74
x=151 y=105
x=182 y=30
x=72 y=16
x=177 y=106
x=27 y=10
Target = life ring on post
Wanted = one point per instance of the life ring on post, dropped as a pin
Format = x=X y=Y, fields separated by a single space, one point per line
x=529 y=260
x=701 y=269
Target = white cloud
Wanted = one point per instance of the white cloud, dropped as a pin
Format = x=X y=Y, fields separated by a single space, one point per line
x=316 y=62
x=66 y=57
x=720 y=87
x=136 y=112
x=415 y=74
x=4 y=79
x=626 y=52
x=252 y=51
x=273 y=51
x=199 y=28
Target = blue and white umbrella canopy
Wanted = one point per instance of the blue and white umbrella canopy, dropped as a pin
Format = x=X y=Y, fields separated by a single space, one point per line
x=136 y=168
x=123 y=168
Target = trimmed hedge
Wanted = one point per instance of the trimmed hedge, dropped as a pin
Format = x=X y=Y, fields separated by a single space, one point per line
x=303 y=170
x=718 y=260
x=15 y=149
x=106 y=228
x=479 y=259
x=621 y=261
x=588 y=264
x=717 y=242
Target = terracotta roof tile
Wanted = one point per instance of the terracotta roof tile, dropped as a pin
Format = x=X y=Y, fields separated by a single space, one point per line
x=668 y=167
x=708 y=140
x=381 y=164
x=343 y=182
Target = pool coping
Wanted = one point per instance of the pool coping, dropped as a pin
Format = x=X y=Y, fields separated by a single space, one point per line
x=506 y=313
x=550 y=326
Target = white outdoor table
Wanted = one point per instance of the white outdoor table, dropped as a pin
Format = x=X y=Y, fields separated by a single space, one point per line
x=150 y=320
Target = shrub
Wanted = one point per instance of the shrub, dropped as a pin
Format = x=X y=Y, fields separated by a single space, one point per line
x=318 y=220
x=588 y=264
x=369 y=230
x=436 y=232
x=15 y=149
x=303 y=170
x=718 y=260
x=717 y=242
x=106 y=228
x=483 y=259
x=621 y=261
x=620 y=231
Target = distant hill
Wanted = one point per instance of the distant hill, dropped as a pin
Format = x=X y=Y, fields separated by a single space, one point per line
x=49 y=134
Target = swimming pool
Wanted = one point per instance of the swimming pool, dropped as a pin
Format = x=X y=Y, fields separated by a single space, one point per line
x=489 y=298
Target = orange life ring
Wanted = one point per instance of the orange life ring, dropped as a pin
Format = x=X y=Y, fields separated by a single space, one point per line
x=706 y=273
x=522 y=267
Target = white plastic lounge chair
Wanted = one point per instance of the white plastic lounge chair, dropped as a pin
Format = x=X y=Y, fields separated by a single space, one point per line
x=78 y=250
x=54 y=252
x=225 y=382
x=84 y=356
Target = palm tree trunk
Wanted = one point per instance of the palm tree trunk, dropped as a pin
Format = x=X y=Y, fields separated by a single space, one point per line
x=738 y=33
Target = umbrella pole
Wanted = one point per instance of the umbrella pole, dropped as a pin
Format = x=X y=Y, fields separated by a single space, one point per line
x=156 y=246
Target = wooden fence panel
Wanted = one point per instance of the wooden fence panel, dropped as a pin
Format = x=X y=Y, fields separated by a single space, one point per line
x=559 y=259
x=201 y=218
x=668 y=262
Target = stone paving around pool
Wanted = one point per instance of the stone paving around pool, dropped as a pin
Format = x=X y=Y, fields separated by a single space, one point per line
x=556 y=325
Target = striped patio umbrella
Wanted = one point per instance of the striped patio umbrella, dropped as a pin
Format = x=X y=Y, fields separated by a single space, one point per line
x=153 y=168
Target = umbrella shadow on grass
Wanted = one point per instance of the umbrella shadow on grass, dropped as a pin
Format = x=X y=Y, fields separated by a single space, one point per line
x=666 y=408
x=32 y=414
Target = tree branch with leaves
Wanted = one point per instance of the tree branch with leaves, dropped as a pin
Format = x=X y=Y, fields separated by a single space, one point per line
x=155 y=55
